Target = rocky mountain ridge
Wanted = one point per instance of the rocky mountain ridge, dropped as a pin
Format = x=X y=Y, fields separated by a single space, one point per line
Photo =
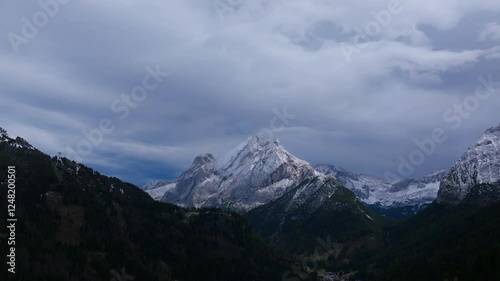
x=479 y=165
x=258 y=171
x=254 y=173
x=376 y=191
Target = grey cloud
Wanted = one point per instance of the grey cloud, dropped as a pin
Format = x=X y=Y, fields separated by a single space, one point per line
x=227 y=76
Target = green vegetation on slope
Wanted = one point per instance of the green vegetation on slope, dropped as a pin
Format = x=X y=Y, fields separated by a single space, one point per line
x=341 y=222
x=443 y=242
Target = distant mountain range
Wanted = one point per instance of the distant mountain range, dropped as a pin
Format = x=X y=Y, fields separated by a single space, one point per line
x=259 y=171
x=455 y=236
x=253 y=174
x=85 y=225
x=398 y=198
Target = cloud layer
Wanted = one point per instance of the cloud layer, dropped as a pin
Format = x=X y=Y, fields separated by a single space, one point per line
x=234 y=64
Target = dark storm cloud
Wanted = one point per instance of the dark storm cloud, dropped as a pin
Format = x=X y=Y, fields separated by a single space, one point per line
x=230 y=68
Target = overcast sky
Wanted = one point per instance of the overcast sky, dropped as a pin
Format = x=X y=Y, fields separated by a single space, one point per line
x=362 y=80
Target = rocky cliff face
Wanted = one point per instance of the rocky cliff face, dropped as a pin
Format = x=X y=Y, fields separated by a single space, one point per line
x=252 y=174
x=187 y=191
x=479 y=165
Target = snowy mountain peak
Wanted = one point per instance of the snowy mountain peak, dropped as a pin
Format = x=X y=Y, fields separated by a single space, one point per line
x=257 y=171
x=203 y=159
x=261 y=140
x=480 y=164
x=257 y=152
x=258 y=139
x=202 y=164
x=493 y=130
x=254 y=143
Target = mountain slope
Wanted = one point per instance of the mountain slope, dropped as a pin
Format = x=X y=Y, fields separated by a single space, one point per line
x=448 y=240
x=252 y=174
x=479 y=164
x=76 y=224
x=443 y=242
x=373 y=190
x=319 y=208
x=362 y=185
x=17 y=142
x=396 y=199
x=456 y=238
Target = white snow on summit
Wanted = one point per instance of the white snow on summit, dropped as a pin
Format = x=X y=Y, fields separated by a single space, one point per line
x=254 y=173
x=373 y=190
x=479 y=164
